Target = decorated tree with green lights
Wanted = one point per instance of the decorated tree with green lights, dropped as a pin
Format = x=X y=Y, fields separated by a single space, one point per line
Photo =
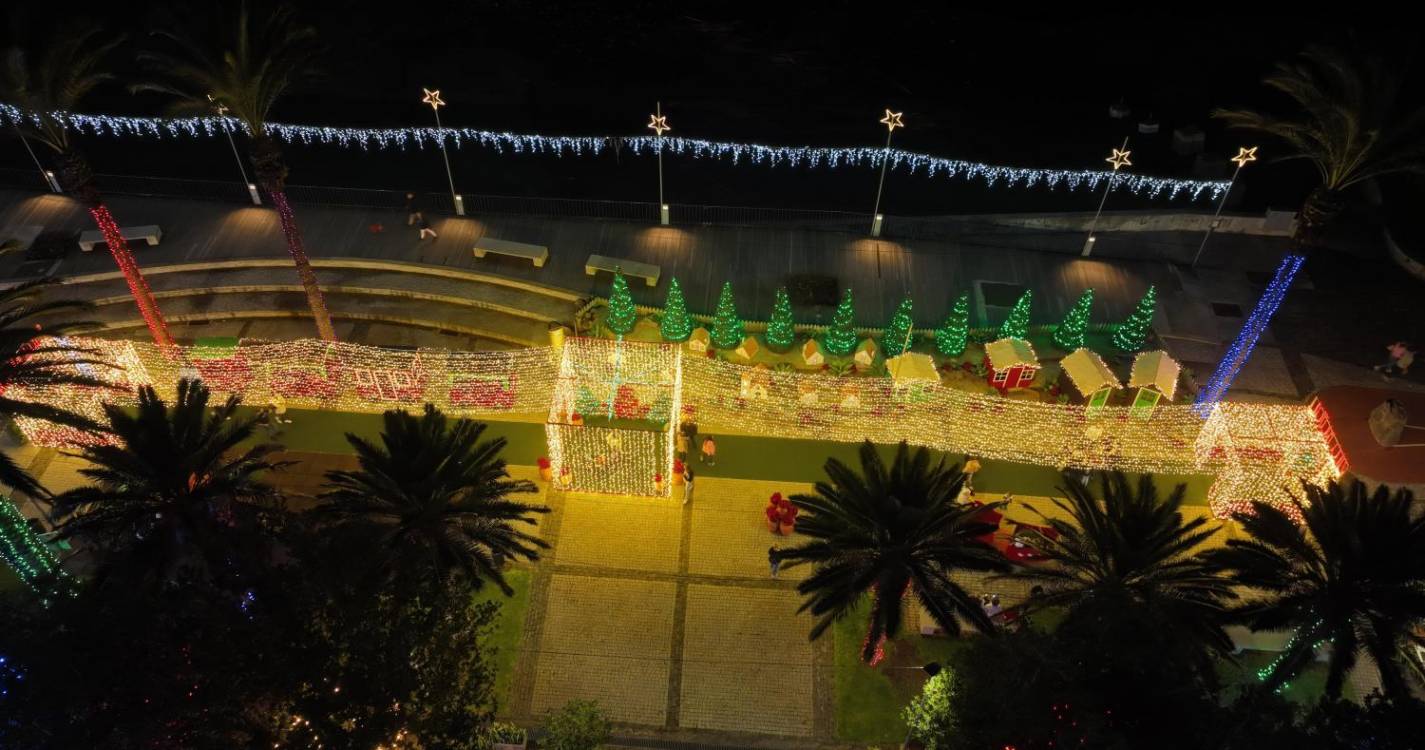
x=840 y=338
x=727 y=330
x=951 y=337
x=1017 y=324
x=1132 y=334
x=781 y=329
x=1070 y=333
x=622 y=314
x=897 y=335
x=676 y=324
x=28 y=557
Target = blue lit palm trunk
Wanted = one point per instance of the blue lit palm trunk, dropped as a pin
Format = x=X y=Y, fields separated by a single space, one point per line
x=1237 y=354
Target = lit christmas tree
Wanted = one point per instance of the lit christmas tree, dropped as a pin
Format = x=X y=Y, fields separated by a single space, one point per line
x=1133 y=333
x=841 y=336
x=28 y=556
x=781 y=329
x=1070 y=333
x=727 y=329
x=676 y=325
x=950 y=338
x=897 y=335
x=622 y=314
x=1017 y=324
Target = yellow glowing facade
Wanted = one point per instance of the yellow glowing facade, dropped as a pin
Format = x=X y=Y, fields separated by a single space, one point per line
x=611 y=410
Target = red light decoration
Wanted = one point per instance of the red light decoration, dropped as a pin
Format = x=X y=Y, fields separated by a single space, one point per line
x=119 y=248
x=304 y=266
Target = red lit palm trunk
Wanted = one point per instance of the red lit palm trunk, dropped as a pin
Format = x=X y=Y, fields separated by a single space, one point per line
x=79 y=181
x=272 y=173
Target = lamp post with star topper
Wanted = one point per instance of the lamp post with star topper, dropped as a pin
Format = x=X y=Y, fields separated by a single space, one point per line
x=658 y=123
x=222 y=112
x=1119 y=160
x=892 y=120
x=433 y=99
x=1244 y=157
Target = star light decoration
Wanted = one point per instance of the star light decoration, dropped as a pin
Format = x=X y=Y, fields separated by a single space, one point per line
x=1244 y=156
x=219 y=107
x=432 y=98
x=658 y=124
x=892 y=120
x=1119 y=159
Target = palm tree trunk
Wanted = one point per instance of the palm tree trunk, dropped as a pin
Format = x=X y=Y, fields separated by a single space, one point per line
x=272 y=173
x=1320 y=208
x=78 y=180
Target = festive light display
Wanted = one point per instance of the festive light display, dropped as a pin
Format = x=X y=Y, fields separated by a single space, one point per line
x=897 y=336
x=298 y=251
x=954 y=334
x=892 y=120
x=1016 y=326
x=516 y=143
x=1255 y=451
x=1266 y=672
x=138 y=286
x=727 y=330
x=1246 y=341
x=840 y=337
x=29 y=557
x=622 y=314
x=1070 y=333
x=676 y=324
x=1133 y=333
x=1119 y=159
x=1244 y=156
x=781 y=329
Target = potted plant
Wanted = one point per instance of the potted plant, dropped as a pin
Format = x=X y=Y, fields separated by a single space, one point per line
x=545 y=472
x=506 y=736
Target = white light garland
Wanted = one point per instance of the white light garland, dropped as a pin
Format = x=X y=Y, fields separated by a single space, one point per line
x=517 y=143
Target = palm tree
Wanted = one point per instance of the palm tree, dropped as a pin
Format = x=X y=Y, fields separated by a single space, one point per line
x=1125 y=544
x=431 y=503
x=246 y=73
x=886 y=532
x=68 y=69
x=175 y=494
x=33 y=358
x=1352 y=577
x=1352 y=126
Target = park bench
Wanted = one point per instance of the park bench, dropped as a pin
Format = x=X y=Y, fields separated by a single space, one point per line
x=22 y=236
x=149 y=233
x=647 y=271
x=537 y=253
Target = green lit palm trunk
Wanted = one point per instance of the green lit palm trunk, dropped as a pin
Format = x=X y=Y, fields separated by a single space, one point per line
x=272 y=173
x=78 y=181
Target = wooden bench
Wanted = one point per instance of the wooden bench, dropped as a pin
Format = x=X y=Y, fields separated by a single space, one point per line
x=149 y=233
x=537 y=253
x=647 y=271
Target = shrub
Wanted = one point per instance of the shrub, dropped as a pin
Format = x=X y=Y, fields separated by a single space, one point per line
x=928 y=714
x=579 y=725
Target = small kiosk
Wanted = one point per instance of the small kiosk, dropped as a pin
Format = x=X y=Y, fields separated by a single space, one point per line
x=1088 y=381
x=1155 y=375
x=1010 y=363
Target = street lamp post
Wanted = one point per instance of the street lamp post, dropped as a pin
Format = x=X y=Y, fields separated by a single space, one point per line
x=222 y=111
x=1244 y=156
x=1119 y=160
x=658 y=123
x=892 y=120
x=433 y=99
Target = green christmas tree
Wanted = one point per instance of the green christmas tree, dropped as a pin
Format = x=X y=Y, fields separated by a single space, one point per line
x=676 y=325
x=950 y=338
x=781 y=329
x=841 y=336
x=622 y=314
x=28 y=557
x=727 y=329
x=1016 y=326
x=1070 y=333
x=1133 y=333
x=897 y=336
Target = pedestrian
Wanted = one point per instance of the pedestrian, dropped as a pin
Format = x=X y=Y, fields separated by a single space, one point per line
x=680 y=441
x=267 y=420
x=994 y=608
x=1393 y=354
x=425 y=227
x=709 y=452
x=687 y=485
x=414 y=209
x=774 y=559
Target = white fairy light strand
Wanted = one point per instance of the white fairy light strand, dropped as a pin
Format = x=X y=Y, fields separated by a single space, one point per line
x=559 y=145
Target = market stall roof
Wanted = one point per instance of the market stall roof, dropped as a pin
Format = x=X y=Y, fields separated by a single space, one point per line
x=1155 y=370
x=1087 y=371
x=1011 y=352
x=912 y=366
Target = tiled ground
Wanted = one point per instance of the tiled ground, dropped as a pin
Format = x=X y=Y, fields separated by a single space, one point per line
x=729 y=535
x=620 y=532
x=607 y=639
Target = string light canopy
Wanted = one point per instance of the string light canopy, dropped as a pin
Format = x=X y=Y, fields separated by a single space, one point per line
x=816 y=157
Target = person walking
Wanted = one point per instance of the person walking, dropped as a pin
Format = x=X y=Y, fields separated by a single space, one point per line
x=687 y=485
x=709 y=452
x=680 y=441
x=1394 y=353
x=774 y=559
x=415 y=209
x=425 y=227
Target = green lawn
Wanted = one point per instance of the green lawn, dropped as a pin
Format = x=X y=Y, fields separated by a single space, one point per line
x=508 y=630
x=868 y=708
